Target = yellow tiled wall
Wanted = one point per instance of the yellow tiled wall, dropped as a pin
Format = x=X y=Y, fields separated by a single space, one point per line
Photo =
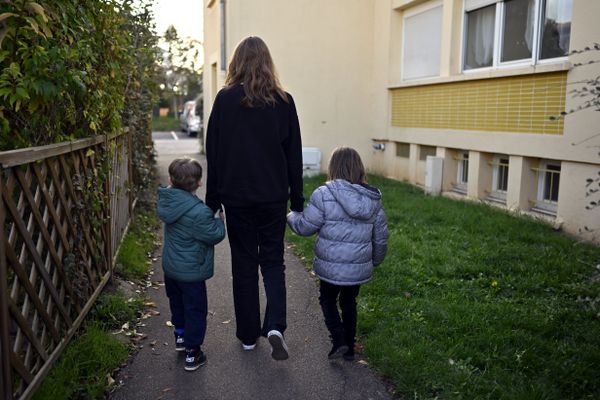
x=522 y=103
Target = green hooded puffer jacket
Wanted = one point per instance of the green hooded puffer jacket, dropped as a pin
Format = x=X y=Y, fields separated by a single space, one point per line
x=191 y=231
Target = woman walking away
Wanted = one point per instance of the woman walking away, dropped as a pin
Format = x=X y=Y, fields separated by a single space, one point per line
x=352 y=238
x=254 y=155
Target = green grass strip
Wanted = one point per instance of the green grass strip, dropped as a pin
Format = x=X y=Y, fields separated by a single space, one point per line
x=165 y=124
x=81 y=372
x=475 y=303
x=133 y=261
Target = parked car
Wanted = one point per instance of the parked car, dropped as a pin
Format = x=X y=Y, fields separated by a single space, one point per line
x=190 y=122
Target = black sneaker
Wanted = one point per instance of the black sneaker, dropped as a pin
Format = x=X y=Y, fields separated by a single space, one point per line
x=194 y=359
x=279 y=350
x=179 y=343
x=337 y=351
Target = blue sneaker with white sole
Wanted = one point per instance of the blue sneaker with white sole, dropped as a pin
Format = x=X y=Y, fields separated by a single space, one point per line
x=194 y=359
x=179 y=342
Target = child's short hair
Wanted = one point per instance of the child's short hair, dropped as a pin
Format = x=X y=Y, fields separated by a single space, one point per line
x=345 y=163
x=185 y=173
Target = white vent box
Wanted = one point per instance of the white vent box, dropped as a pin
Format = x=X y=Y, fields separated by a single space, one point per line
x=433 y=175
x=311 y=161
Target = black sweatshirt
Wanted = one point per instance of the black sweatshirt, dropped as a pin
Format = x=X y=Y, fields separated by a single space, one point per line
x=254 y=155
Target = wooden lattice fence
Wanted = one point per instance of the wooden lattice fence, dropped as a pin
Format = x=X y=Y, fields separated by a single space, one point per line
x=64 y=209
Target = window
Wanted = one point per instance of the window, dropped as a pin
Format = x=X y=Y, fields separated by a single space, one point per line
x=422 y=42
x=480 y=37
x=425 y=151
x=556 y=28
x=402 y=150
x=499 y=178
x=548 y=184
x=517 y=35
x=462 y=173
x=515 y=31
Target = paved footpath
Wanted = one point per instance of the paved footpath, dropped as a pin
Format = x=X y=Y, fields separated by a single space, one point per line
x=231 y=373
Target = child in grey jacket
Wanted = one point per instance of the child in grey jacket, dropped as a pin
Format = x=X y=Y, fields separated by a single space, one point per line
x=352 y=238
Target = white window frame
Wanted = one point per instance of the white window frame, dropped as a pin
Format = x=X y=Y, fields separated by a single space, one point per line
x=497 y=64
x=411 y=13
x=541 y=203
x=462 y=161
x=497 y=163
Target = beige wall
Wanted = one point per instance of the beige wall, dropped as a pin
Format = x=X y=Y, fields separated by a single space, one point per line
x=340 y=58
x=322 y=50
x=213 y=77
x=572 y=201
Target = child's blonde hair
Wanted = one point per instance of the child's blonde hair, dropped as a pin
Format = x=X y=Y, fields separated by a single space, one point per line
x=345 y=163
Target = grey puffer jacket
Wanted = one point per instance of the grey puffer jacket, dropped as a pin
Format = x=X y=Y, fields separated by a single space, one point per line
x=352 y=231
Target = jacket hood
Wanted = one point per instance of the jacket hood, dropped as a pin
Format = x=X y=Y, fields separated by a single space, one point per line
x=173 y=203
x=359 y=201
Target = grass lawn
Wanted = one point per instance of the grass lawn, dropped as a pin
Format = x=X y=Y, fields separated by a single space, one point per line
x=165 y=124
x=473 y=303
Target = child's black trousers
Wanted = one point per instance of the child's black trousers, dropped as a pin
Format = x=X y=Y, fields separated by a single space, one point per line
x=189 y=306
x=346 y=325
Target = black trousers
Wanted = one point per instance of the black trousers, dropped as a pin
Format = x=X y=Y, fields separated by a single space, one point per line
x=346 y=325
x=189 y=306
x=256 y=240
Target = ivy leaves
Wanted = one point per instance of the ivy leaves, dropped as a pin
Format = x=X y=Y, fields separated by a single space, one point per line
x=67 y=68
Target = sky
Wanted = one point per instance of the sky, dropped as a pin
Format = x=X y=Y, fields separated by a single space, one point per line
x=185 y=15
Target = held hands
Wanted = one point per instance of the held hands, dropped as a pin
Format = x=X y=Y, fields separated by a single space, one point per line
x=219 y=215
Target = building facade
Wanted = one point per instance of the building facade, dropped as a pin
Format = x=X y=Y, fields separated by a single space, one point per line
x=482 y=84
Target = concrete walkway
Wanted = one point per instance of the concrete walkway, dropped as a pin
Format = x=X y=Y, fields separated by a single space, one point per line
x=156 y=372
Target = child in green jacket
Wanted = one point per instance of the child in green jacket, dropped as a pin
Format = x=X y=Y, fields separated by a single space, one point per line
x=191 y=231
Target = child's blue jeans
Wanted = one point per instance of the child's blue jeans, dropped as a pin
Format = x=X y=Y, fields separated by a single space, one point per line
x=189 y=306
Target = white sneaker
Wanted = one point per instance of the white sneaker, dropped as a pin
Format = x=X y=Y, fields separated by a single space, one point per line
x=248 y=347
x=279 y=350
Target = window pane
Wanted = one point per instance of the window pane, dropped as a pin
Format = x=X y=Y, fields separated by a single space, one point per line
x=551 y=182
x=479 y=50
x=463 y=167
x=556 y=28
x=402 y=150
x=517 y=35
x=503 y=178
x=425 y=151
x=422 y=44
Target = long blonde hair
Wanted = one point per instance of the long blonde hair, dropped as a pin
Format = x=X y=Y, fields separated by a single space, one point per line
x=345 y=163
x=252 y=67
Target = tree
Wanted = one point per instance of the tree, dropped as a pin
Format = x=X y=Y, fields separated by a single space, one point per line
x=181 y=69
